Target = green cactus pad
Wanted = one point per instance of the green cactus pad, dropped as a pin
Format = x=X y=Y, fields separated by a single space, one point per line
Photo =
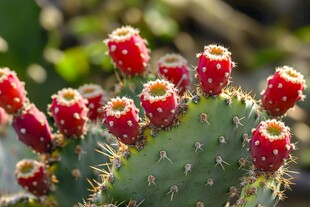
x=262 y=192
x=198 y=160
x=73 y=168
x=11 y=151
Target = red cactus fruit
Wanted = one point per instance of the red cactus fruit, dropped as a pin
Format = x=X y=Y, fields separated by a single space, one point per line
x=31 y=175
x=175 y=69
x=12 y=91
x=270 y=145
x=69 y=111
x=4 y=117
x=284 y=89
x=33 y=129
x=95 y=97
x=128 y=51
x=214 y=69
x=121 y=117
x=160 y=102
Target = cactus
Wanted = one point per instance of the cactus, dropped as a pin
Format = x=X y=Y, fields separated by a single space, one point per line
x=174 y=149
x=74 y=166
x=263 y=192
x=199 y=158
x=263 y=189
x=11 y=151
x=63 y=157
x=181 y=167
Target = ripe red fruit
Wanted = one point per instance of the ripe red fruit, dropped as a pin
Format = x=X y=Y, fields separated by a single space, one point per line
x=214 y=69
x=121 y=117
x=31 y=175
x=270 y=145
x=160 y=102
x=284 y=89
x=33 y=129
x=175 y=69
x=128 y=51
x=12 y=91
x=69 y=111
x=95 y=97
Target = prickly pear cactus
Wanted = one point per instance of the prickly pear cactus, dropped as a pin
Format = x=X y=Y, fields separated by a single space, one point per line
x=60 y=173
x=181 y=167
x=261 y=191
x=11 y=151
x=214 y=146
x=73 y=167
x=202 y=157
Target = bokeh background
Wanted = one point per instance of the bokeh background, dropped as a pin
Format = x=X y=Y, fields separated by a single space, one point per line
x=53 y=44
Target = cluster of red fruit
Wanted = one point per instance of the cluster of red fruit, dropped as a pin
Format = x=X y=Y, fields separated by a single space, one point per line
x=270 y=144
x=70 y=110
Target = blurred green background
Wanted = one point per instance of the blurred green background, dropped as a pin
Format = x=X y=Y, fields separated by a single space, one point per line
x=53 y=44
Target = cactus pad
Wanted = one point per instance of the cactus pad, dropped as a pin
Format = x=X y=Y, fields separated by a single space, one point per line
x=73 y=168
x=192 y=161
